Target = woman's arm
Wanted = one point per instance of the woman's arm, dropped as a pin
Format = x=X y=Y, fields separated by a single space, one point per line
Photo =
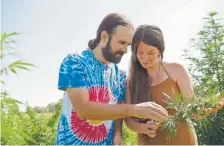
x=183 y=81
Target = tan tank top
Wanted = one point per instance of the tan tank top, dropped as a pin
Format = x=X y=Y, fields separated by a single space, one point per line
x=185 y=132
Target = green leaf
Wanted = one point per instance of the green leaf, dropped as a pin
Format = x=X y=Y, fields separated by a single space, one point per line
x=26 y=136
x=20 y=62
x=22 y=67
x=13 y=133
x=213 y=13
x=11 y=100
x=12 y=70
x=2 y=82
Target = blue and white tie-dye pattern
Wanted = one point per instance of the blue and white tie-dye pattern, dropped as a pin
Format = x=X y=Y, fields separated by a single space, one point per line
x=105 y=83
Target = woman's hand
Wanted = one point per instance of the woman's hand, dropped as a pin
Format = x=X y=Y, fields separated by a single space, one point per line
x=150 y=129
x=209 y=111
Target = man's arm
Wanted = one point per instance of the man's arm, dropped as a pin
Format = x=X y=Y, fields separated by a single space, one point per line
x=96 y=111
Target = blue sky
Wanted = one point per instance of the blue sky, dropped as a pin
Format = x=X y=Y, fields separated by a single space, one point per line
x=51 y=29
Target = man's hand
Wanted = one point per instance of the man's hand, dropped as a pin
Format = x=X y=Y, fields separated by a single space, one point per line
x=149 y=110
x=118 y=140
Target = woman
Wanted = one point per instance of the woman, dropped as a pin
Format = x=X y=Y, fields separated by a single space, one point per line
x=149 y=79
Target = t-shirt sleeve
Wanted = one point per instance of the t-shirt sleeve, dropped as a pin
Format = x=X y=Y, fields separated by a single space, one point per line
x=71 y=73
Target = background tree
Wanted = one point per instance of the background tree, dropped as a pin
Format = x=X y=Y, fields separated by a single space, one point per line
x=206 y=58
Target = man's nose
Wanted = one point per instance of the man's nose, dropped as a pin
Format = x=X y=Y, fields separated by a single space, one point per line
x=125 y=49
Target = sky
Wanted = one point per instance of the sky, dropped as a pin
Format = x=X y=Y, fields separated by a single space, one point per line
x=51 y=29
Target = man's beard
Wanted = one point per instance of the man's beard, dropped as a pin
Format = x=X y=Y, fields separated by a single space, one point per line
x=109 y=56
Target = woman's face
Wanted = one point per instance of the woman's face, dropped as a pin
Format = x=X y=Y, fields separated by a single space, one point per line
x=147 y=55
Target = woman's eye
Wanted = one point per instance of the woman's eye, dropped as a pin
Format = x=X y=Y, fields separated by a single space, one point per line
x=150 y=53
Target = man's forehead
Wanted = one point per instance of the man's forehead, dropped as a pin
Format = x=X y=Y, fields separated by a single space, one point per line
x=124 y=33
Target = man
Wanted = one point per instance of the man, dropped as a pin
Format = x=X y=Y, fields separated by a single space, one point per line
x=94 y=86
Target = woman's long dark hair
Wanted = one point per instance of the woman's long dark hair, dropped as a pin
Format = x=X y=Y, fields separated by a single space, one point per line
x=140 y=82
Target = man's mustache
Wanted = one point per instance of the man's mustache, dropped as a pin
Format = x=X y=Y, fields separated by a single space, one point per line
x=121 y=53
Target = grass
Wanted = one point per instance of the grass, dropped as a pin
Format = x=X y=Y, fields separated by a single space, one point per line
x=130 y=137
x=47 y=115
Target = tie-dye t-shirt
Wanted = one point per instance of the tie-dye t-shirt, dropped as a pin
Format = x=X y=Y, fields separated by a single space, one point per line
x=105 y=83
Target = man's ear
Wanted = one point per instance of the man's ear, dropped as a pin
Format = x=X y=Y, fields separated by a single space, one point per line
x=104 y=37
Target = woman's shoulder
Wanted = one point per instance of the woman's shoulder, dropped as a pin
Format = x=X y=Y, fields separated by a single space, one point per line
x=173 y=65
x=174 y=69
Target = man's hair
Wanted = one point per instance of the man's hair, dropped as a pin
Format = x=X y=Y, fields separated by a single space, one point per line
x=108 y=24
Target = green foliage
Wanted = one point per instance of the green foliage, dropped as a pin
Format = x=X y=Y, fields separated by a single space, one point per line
x=29 y=127
x=207 y=69
x=11 y=131
x=207 y=64
x=130 y=137
x=8 y=50
x=187 y=108
x=18 y=127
